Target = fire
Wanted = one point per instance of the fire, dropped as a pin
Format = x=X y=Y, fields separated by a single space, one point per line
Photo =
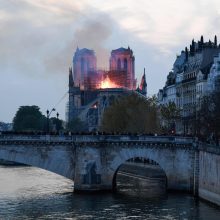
x=107 y=83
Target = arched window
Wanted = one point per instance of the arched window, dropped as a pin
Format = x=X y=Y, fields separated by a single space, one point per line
x=88 y=68
x=119 y=64
x=82 y=65
x=133 y=66
x=125 y=64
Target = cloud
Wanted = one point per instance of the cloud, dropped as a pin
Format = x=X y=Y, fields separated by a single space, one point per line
x=39 y=37
x=32 y=33
x=165 y=24
x=94 y=33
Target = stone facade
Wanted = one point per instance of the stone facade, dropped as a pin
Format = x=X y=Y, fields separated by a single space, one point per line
x=123 y=59
x=188 y=82
x=84 y=62
x=209 y=174
x=214 y=76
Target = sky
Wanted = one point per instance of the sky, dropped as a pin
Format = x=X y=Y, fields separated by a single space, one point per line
x=38 y=39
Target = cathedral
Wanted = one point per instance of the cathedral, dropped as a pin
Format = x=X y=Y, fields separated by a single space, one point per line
x=92 y=90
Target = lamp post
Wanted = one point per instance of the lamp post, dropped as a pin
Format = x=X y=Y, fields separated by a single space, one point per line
x=48 y=117
x=57 y=122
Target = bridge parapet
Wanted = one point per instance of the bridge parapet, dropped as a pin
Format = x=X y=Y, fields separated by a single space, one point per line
x=210 y=148
x=98 y=138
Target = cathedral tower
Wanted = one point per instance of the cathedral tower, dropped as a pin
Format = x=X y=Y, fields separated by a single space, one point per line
x=122 y=59
x=84 y=62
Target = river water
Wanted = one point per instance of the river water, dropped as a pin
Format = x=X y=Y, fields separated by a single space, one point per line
x=31 y=193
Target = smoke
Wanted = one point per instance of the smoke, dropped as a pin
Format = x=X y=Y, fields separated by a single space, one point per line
x=94 y=34
x=37 y=41
x=38 y=38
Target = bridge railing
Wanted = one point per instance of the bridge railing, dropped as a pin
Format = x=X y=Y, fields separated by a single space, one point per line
x=96 y=138
x=54 y=138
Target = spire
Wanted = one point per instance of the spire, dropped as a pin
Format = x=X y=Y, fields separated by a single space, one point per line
x=215 y=41
x=143 y=85
x=186 y=53
x=190 y=49
x=71 y=82
x=193 y=46
x=202 y=40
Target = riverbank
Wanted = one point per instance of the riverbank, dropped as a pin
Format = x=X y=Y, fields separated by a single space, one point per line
x=10 y=163
x=209 y=175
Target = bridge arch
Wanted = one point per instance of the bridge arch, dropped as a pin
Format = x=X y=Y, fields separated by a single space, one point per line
x=69 y=155
x=57 y=159
x=155 y=155
x=145 y=161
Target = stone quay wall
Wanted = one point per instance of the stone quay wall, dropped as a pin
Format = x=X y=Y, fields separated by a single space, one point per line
x=209 y=174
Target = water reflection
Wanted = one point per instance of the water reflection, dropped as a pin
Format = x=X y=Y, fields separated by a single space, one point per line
x=141 y=179
x=30 y=193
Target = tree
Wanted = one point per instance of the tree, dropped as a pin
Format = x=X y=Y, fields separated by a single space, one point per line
x=170 y=113
x=76 y=125
x=131 y=113
x=28 y=118
x=209 y=115
x=55 y=124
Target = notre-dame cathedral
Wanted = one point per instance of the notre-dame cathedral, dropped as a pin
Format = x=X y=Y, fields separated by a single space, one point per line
x=92 y=90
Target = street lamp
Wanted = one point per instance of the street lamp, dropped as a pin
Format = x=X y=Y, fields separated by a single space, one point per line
x=48 y=117
x=57 y=122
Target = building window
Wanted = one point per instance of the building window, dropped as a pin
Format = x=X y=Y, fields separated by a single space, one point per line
x=125 y=64
x=119 y=64
x=82 y=65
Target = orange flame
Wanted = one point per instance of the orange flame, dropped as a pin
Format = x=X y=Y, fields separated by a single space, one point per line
x=107 y=83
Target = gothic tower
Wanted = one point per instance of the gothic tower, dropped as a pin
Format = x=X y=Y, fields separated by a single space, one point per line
x=143 y=85
x=84 y=62
x=122 y=59
x=74 y=102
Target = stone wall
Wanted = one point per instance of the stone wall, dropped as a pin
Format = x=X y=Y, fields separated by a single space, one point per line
x=55 y=158
x=209 y=174
x=97 y=165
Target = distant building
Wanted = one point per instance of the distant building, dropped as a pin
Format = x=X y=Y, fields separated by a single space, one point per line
x=5 y=126
x=92 y=90
x=190 y=80
x=214 y=76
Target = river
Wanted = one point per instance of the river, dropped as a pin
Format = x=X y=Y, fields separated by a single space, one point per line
x=32 y=193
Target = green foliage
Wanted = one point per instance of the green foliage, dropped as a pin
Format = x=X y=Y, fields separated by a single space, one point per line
x=208 y=117
x=131 y=113
x=76 y=125
x=28 y=118
x=169 y=114
x=170 y=111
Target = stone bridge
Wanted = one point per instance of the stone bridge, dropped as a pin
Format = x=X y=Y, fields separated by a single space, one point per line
x=92 y=161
